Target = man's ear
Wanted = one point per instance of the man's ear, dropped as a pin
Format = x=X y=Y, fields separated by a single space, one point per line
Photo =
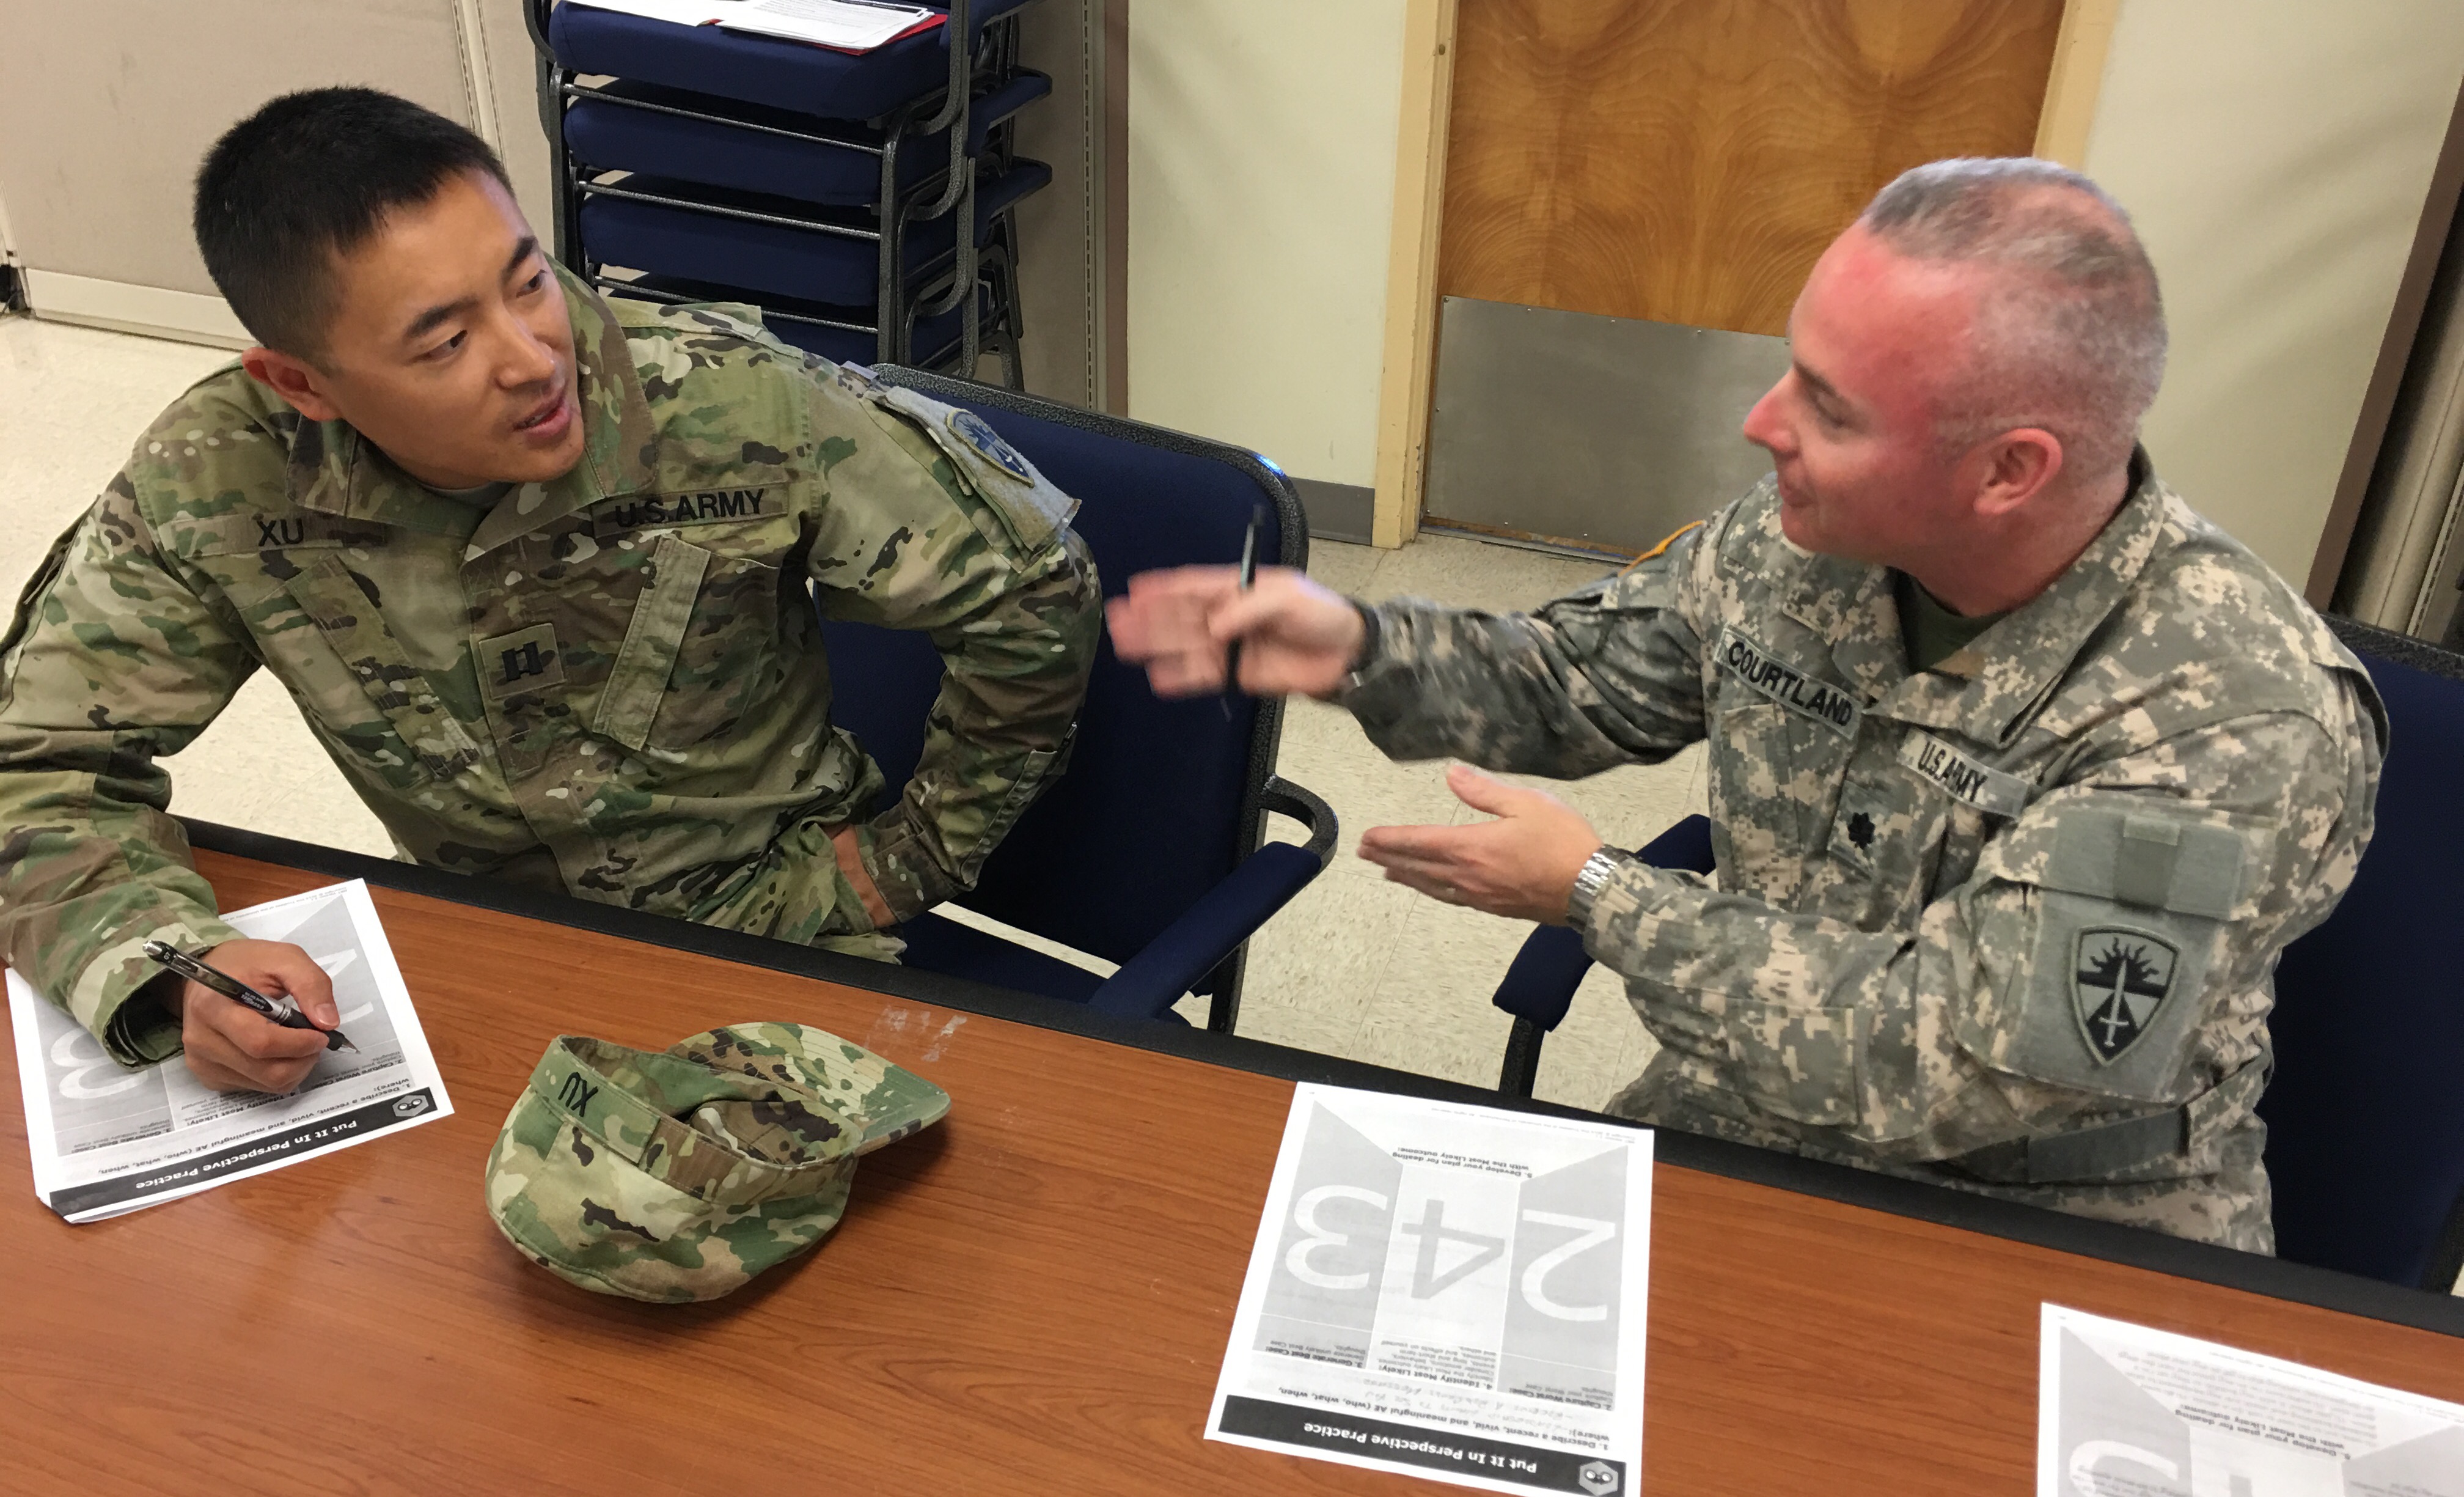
x=2018 y=466
x=295 y=380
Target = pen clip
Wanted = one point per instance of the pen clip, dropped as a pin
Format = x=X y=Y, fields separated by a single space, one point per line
x=169 y=956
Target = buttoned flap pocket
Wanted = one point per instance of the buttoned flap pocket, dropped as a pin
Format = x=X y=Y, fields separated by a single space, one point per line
x=1029 y=508
x=696 y=648
x=414 y=736
x=1804 y=1063
x=1781 y=742
x=2123 y=931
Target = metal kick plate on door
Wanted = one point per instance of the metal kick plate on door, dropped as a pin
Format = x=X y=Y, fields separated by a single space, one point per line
x=1607 y=431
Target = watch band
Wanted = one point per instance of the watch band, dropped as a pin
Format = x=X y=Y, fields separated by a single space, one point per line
x=1368 y=651
x=1596 y=872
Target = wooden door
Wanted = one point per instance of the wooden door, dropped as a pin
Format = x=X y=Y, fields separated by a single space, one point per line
x=1686 y=161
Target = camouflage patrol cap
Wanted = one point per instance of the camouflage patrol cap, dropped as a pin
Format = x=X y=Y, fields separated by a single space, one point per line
x=677 y=1174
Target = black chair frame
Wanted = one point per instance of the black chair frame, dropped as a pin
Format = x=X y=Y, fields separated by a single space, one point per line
x=948 y=281
x=1263 y=791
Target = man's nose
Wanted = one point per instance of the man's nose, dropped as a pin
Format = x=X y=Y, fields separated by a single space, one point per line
x=1763 y=427
x=528 y=358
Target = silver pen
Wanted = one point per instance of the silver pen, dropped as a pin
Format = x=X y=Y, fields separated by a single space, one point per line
x=1248 y=580
x=282 y=1010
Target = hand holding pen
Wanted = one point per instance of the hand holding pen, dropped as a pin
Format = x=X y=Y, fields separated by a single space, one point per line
x=232 y=1045
x=1257 y=630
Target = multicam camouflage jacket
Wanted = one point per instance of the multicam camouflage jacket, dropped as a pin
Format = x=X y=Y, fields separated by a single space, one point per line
x=2010 y=923
x=612 y=684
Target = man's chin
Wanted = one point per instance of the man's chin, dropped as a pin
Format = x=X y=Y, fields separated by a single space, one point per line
x=533 y=465
x=1796 y=522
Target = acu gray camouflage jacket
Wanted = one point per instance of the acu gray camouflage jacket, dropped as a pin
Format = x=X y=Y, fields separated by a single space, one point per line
x=2009 y=924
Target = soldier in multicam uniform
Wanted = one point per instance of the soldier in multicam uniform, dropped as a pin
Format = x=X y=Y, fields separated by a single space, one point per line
x=2022 y=772
x=535 y=567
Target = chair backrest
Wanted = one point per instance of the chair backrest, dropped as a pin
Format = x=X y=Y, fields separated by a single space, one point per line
x=1161 y=798
x=2366 y=1113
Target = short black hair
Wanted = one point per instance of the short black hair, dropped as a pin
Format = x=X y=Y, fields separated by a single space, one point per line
x=310 y=177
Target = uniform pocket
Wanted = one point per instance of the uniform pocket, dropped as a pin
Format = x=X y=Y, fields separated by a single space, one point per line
x=1034 y=774
x=1776 y=779
x=696 y=650
x=416 y=738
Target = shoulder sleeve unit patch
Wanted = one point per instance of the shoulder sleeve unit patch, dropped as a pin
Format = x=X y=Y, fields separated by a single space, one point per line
x=2130 y=915
x=1031 y=507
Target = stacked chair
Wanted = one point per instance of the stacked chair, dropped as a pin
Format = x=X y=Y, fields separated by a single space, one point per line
x=696 y=163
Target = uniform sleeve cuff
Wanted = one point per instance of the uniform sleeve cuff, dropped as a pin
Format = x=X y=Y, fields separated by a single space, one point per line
x=111 y=995
x=1613 y=928
x=1368 y=684
x=141 y=1030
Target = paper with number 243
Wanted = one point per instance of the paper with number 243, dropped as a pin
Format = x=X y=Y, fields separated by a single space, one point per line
x=1447 y=1292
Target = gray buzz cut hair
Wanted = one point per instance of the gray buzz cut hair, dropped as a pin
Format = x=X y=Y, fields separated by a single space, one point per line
x=2073 y=340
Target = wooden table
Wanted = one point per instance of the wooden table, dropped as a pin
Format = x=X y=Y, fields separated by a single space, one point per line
x=1033 y=1297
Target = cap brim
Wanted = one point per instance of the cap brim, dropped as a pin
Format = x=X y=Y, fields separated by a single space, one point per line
x=892 y=1100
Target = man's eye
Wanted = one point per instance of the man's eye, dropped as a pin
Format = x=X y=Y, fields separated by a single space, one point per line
x=448 y=347
x=536 y=281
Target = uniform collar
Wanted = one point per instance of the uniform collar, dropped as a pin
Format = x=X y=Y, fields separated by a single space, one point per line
x=335 y=471
x=1983 y=691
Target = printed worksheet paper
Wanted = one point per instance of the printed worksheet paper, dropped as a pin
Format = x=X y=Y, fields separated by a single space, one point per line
x=107 y=1141
x=2123 y=1411
x=1447 y=1292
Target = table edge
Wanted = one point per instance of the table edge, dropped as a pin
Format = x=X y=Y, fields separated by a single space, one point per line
x=2274 y=1278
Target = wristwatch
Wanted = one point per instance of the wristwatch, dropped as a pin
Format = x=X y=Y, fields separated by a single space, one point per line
x=1367 y=644
x=1596 y=872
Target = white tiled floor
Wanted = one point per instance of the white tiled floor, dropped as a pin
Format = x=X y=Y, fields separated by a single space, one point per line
x=1355 y=966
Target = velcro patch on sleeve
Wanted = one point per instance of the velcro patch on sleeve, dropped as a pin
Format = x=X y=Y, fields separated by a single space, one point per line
x=2148 y=860
x=1031 y=508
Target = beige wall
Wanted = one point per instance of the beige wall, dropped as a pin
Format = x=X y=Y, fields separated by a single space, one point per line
x=107 y=107
x=2274 y=154
x=1262 y=181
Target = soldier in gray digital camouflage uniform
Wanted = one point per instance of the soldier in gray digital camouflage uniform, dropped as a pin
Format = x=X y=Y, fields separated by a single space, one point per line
x=535 y=567
x=2023 y=774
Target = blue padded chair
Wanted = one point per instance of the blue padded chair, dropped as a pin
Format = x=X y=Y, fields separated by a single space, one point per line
x=1148 y=852
x=1539 y=988
x=2366 y=1112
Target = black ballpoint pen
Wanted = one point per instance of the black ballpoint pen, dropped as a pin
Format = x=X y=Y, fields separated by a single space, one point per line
x=1248 y=580
x=283 y=1010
